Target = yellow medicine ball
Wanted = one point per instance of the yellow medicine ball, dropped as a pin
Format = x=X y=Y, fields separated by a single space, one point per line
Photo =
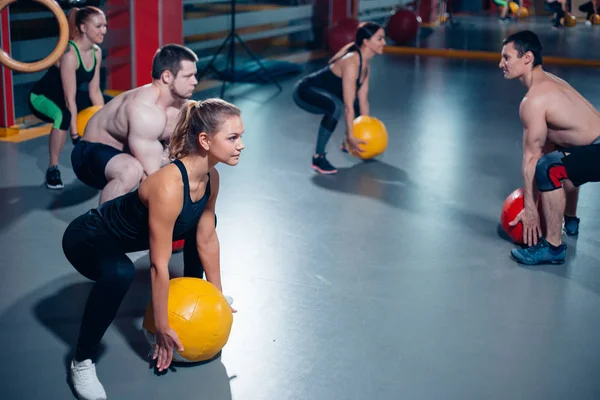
x=569 y=20
x=84 y=116
x=373 y=132
x=200 y=316
x=523 y=12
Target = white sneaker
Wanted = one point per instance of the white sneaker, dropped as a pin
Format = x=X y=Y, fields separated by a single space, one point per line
x=85 y=381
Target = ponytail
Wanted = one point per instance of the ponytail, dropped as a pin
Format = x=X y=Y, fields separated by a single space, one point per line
x=206 y=116
x=364 y=32
x=177 y=144
x=72 y=18
x=343 y=51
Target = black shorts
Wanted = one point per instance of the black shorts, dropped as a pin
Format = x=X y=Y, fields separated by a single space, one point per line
x=582 y=163
x=89 y=162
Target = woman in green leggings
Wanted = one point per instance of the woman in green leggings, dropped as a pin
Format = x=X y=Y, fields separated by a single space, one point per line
x=53 y=98
x=504 y=8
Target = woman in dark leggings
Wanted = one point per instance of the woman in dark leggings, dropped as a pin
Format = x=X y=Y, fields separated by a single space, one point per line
x=176 y=202
x=590 y=9
x=334 y=89
x=558 y=8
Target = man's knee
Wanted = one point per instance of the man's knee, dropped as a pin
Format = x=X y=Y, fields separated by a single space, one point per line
x=550 y=172
x=128 y=171
x=132 y=174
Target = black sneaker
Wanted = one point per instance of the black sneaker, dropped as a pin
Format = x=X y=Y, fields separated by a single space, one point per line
x=571 y=227
x=321 y=165
x=53 y=180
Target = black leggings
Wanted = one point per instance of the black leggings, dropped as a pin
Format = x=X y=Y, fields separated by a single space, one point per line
x=99 y=257
x=589 y=9
x=319 y=101
x=555 y=7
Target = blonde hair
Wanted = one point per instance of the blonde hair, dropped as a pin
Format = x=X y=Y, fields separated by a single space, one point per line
x=206 y=116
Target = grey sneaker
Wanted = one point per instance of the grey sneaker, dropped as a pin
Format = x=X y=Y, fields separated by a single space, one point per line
x=541 y=253
x=85 y=381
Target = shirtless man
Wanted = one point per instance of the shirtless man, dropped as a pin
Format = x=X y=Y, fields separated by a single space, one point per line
x=552 y=113
x=127 y=139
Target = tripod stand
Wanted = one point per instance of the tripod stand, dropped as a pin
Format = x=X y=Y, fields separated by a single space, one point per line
x=231 y=38
x=448 y=8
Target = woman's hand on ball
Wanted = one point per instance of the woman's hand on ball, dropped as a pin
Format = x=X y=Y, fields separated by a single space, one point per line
x=166 y=341
x=354 y=144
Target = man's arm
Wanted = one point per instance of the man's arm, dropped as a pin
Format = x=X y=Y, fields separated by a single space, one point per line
x=146 y=126
x=535 y=130
x=207 y=241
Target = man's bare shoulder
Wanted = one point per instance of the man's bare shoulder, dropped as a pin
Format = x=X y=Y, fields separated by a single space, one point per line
x=547 y=92
x=144 y=99
x=538 y=95
x=532 y=101
x=146 y=119
x=547 y=87
x=147 y=95
x=533 y=109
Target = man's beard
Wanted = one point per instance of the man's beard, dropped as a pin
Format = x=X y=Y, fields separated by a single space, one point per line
x=176 y=95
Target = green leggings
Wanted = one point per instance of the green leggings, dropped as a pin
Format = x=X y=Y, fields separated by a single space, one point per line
x=48 y=111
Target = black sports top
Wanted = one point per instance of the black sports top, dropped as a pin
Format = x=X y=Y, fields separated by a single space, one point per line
x=125 y=218
x=326 y=80
x=51 y=83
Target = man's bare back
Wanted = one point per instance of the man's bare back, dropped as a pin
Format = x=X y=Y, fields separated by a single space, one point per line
x=570 y=118
x=112 y=124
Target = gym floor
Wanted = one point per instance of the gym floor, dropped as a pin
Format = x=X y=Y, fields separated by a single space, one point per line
x=388 y=280
x=485 y=34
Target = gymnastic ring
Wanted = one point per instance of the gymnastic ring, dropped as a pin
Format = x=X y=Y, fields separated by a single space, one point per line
x=63 y=40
